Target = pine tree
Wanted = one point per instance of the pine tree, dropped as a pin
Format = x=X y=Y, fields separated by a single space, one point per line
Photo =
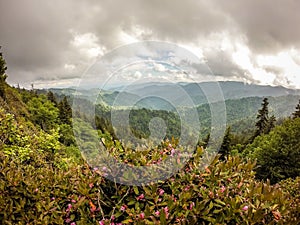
x=206 y=141
x=225 y=147
x=271 y=124
x=51 y=97
x=3 y=76
x=65 y=111
x=296 y=114
x=263 y=119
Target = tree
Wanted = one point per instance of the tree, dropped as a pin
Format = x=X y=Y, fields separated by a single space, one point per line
x=51 y=97
x=3 y=76
x=43 y=112
x=271 y=124
x=277 y=153
x=65 y=111
x=263 y=119
x=225 y=147
x=296 y=114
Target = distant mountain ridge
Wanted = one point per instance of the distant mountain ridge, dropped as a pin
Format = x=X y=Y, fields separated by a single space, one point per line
x=166 y=96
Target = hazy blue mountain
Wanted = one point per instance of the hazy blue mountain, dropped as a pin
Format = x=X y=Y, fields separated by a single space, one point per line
x=167 y=96
x=231 y=90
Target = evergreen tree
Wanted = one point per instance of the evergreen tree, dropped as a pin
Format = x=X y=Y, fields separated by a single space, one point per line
x=65 y=111
x=3 y=76
x=296 y=114
x=271 y=124
x=263 y=119
x=225 y=147
x=206 y=141
x=51 y=97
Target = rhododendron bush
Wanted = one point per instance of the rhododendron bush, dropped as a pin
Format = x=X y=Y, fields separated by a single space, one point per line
x=225 y=192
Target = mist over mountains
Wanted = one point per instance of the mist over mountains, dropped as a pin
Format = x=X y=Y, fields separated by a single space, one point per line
x=166 y=96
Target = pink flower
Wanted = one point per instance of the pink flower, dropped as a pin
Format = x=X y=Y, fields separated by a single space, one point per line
x=187 y=188
x=157 y=213
x=112 y=217
x=222 y=189
x=73 y=201
x=36 y=190
x=142 y=215
x=192 y=205
x=161 y=191
x=68 y=220
x=91 y=185
x=245 y=208
x=101 y=222
x=140 y=197
x=172 y=152
x=123 y=207
x=166 y=209
x=73 y=223
x=69 y=208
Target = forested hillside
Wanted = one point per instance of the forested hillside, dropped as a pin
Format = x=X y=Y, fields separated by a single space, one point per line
x=44 y=179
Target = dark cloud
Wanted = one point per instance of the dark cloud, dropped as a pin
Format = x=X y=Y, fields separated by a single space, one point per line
x=221 y=64
x=269 y=25
x=37 y=36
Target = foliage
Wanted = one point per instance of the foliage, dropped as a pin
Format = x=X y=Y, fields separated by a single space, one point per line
x=65 y=111
x=263 y=118
x=51 y=97
x=43 y=112
x=223 y=193
x=44 y=179
x=226 y=144
x=296 y=114
x=3 y=76
x=277 y=153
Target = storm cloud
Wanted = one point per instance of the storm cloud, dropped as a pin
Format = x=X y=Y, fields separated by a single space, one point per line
x=48 y=41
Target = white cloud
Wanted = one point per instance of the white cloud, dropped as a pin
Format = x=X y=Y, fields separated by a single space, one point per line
x=87 y=45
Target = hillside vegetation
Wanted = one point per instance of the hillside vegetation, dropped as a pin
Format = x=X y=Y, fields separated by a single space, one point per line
x=45 y=180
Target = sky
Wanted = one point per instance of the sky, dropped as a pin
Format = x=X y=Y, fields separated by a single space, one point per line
x=53 y=43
